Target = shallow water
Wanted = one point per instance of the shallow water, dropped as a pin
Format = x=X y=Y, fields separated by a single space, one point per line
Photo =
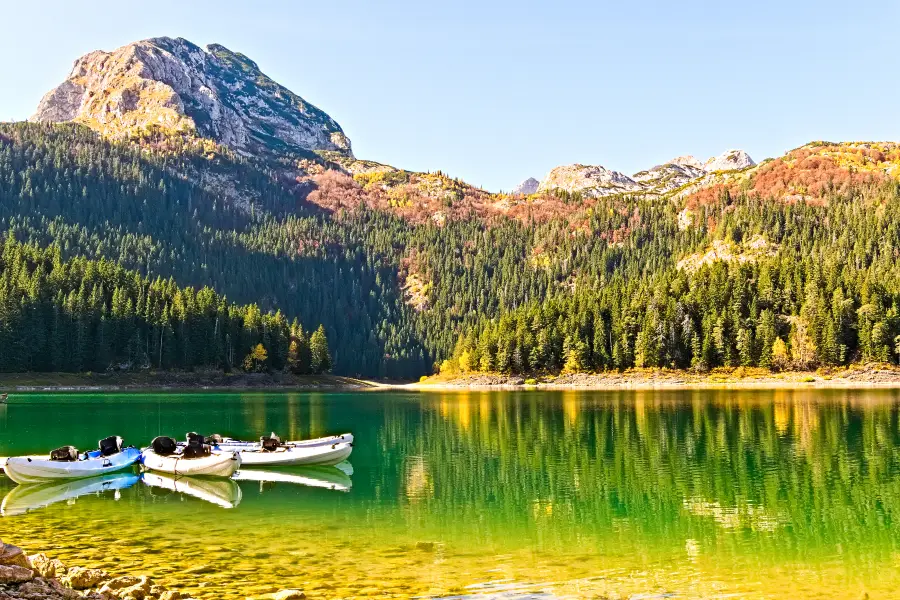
x=702 y=494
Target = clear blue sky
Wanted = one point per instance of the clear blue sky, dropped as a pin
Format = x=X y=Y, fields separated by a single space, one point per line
x=494 y=92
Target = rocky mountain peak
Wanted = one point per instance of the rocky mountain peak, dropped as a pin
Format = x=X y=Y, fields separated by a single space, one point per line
x=589 y=180
x=177 y=86
x=730 y=160
x=686 y=161
x=527 y=187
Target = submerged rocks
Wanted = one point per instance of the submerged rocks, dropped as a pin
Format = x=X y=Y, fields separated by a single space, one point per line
x=289 y=594
x=40 y=577
x=136 y=588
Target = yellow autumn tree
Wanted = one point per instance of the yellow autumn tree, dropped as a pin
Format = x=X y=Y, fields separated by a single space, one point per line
x=255 y=362
x=465 y=361
x=779 y=354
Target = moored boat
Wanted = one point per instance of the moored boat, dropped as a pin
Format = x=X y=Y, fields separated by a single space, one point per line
x=196 y=458
x=232 y=444
x=295 y=456
x=68 y=463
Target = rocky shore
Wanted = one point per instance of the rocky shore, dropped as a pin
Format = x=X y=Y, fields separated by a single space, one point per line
x=39 y=577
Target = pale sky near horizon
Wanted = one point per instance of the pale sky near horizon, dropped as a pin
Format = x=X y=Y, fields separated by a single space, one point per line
x=494 y=92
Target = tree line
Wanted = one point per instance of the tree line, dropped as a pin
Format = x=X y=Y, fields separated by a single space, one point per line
x=81 y=315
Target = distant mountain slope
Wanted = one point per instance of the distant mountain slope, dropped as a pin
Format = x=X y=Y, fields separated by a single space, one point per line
x=594 y=180
x=173 y=85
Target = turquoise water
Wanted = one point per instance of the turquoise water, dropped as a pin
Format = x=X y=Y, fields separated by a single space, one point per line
x=758 y=494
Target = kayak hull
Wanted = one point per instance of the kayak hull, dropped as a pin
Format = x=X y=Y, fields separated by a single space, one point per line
x=230 y=444
x=40 y=469
x=293 y=456
x=217 y=464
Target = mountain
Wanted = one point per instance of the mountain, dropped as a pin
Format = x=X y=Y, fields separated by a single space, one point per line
x=589 y=180
x=595 y=181
x=670 y=176
x=730 y=160
x=527 y=187
x=175 y=86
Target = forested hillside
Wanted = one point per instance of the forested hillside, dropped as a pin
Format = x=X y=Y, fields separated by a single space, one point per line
x=796 y=285
x=84 y=315
x=788 y=264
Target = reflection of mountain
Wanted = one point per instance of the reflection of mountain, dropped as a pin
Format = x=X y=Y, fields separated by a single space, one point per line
x=24 y=498
x=218 y=491
x=671 y=466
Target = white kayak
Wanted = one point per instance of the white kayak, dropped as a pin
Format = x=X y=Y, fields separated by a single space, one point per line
x=230 y=444
x=291 y=455
x=329 y=478
x=218 y=464
x=221 y=492
x=24 y=498
x=39 y=469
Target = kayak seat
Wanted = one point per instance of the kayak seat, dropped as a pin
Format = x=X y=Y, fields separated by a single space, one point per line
x=164 y=446
x=65 y=454
x=111 y=445
x=270 y=443
x=196 y=446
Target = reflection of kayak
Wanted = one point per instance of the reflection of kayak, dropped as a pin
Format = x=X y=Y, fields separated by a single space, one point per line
x=28 y=497
x=221 y=492
x=39 y=469
x=293 y=456
x=218 y=464
x=329 y=478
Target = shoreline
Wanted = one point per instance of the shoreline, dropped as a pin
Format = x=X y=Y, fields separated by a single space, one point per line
x=23 y=383
x=877 y=376
x=871 y=376
x=39 y=577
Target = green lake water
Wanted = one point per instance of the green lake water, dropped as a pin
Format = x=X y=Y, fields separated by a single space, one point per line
x=699 y=494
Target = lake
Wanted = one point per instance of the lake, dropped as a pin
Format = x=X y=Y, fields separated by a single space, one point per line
x=701 y=494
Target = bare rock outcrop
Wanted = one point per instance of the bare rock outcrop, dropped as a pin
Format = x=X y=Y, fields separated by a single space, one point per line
x=176 y=86
x=589 y=180
x=730 y=160
x=527 y=187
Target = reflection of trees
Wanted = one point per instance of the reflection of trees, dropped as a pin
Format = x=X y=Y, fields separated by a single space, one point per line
x=782 y=469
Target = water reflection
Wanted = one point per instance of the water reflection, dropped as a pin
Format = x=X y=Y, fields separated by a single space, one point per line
x=217 y=491
x=755 y=493
x=24 y=498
